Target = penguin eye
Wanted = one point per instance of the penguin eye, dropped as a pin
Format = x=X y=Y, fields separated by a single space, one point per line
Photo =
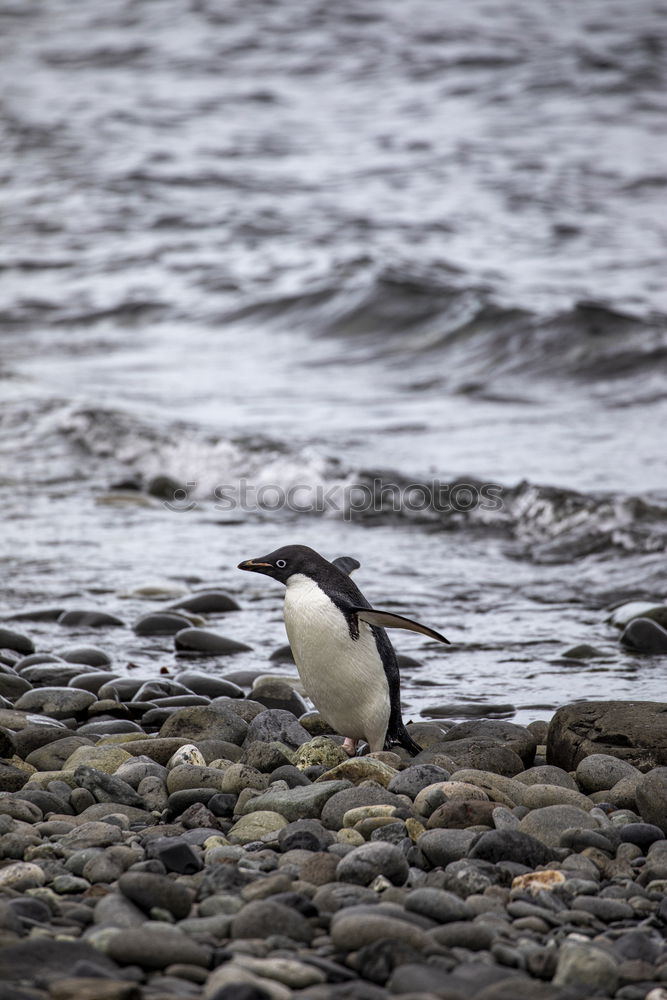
x=281 y=563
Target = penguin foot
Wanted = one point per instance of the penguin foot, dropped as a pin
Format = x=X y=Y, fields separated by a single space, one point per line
x=350 y=746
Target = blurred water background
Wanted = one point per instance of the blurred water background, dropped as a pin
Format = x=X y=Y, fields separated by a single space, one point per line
x=312 y=244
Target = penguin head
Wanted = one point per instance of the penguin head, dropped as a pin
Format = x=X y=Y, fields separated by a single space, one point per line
x=286 y=561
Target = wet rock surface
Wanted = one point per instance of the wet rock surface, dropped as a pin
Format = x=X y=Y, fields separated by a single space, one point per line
x=168 y=837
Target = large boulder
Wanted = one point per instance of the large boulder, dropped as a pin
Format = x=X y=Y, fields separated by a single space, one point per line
x=634 y=731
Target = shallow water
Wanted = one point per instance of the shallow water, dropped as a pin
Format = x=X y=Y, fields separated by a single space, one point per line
x=304 y=245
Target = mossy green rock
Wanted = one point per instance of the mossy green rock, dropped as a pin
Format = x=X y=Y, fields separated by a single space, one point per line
x=255 y=826
x=302 y=802
x=106 y=758
x=321 y=752
x=358 y=769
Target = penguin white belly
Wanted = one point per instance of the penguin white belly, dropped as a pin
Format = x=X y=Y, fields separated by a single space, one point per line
x=343 y=677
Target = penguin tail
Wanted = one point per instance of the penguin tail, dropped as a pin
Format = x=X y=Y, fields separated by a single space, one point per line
x=401 y=736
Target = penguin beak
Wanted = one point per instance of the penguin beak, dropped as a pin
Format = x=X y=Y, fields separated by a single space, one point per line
x=255 y=565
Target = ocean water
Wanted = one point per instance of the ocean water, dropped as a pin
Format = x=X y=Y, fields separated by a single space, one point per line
x=275 y=248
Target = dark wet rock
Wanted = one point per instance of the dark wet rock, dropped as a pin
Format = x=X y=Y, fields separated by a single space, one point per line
x=51 y=674
x=29 y=908
x=162 y=486
x=637 y=945
x=423 y=980
x=641 y=834
x=365 y=863
x=160 y=623
x=481 y=754
x=274 y=692
x=472 y=876
x=89 y=618
x=53 y=755
x=583 y=652
x=376 y=961
x=277 y=725
x=207 y=602
x=206 y=643
x=633 y=731
x=107 y=787
x=12 y=778
x=92 y=656
x=440 y=847
x=159 y=687
x=437 y=904
x=260 y=918
x=48 y=614
x=148 y=891
x=607 y=910
x=516 y=738
x=464 y=934
x=305 y=835
x=356 y=927
x=222 y=804
x=351 y=798
x=219 y=750
x=206 y=684
x=16 y=641
x=265 y=757
x=511 y=845
x=645 y=636
x=179 y=801
x=58 y=702
x=46 y=801
x=156 y=948
x=123 y=688
x=12 y=686
x=7 y=743
x=579 y=840
x=652 y=798
x=14 y=808
x=34 y=658
x=175 y=854
x=283 y=654
x=91 y=681
x=599 y=772
x=413 y=779
x=54 y=960
x=206 y=722
x=290 y=774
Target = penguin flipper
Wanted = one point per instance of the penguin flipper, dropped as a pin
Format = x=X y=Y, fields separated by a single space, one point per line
x=387 y=619
x=347 y=564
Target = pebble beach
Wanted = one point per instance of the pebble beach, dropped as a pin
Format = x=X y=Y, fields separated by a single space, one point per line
x=201 y=833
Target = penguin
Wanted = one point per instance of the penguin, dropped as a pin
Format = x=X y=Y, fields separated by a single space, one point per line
x=344 y=657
